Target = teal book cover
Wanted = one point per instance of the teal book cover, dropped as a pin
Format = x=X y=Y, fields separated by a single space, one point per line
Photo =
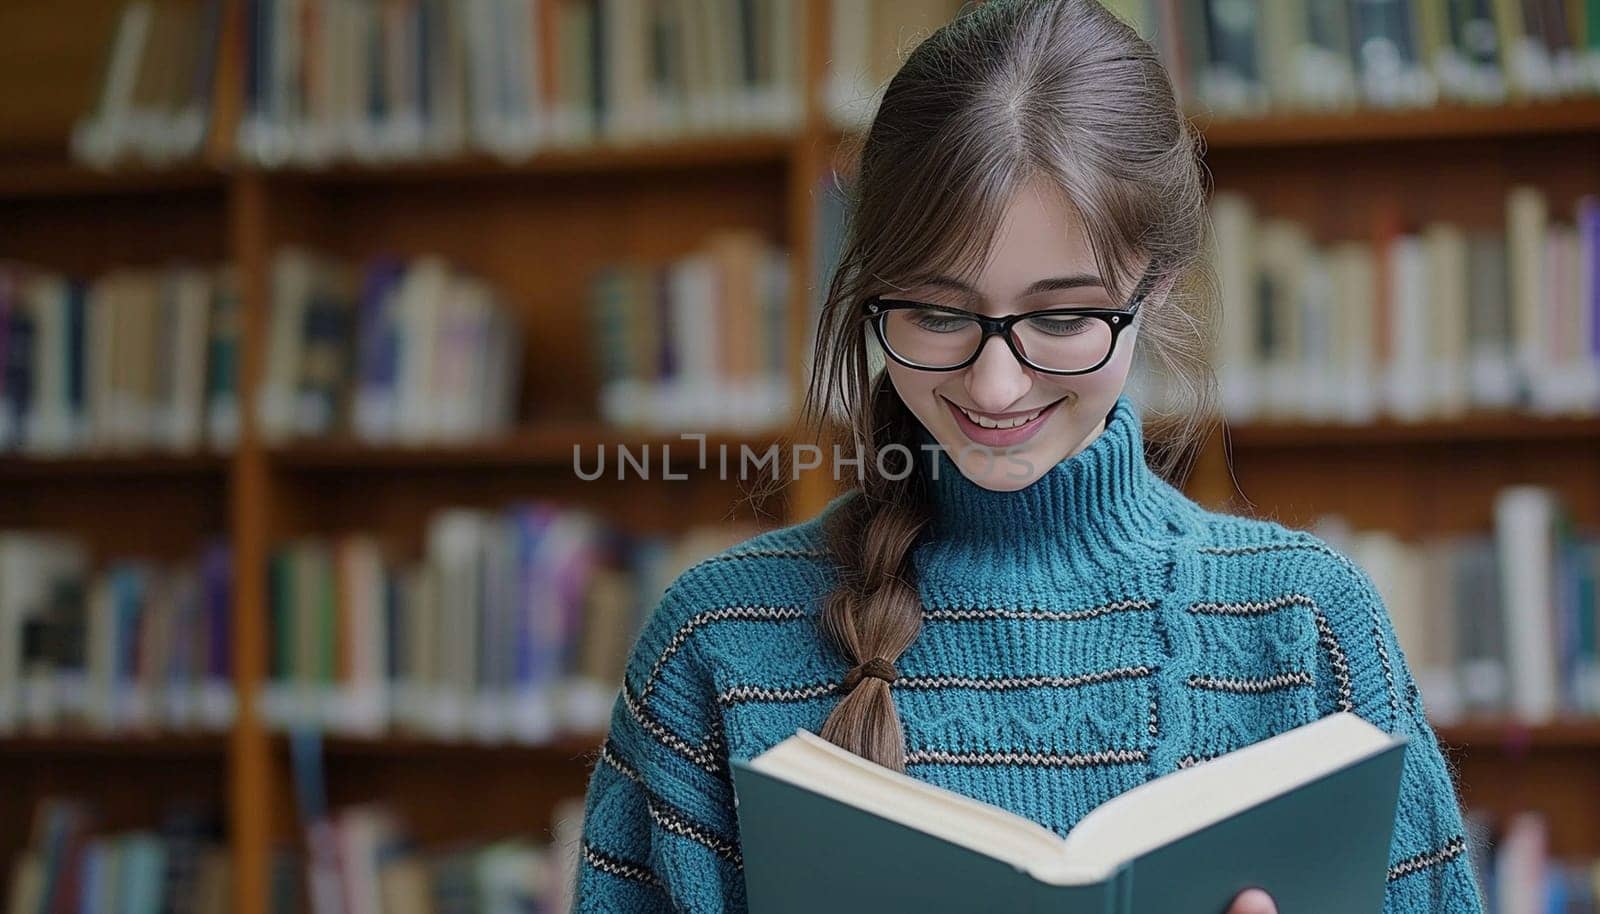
x=1307 y=815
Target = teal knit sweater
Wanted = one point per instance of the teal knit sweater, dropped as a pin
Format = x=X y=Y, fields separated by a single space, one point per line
x=1080 y=636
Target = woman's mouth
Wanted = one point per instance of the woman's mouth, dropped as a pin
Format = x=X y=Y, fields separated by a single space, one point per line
x=1001 y=431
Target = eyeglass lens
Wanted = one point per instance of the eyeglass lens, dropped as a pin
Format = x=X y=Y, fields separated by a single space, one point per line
x=939 y=339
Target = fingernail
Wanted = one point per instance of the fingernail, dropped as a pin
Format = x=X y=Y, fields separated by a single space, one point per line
x=1255 y=901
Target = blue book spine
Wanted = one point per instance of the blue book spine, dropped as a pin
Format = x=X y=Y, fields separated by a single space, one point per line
x=398 y=644
x=526 y=545
x=1589 y=252
x=425 y=22
x=128 y=597
x=217 y=577
x=77 y=365
x=206 y=50
x=376 y=107
x=19 y=367
x=378 y=336
x=94 y=863
x=8 y=296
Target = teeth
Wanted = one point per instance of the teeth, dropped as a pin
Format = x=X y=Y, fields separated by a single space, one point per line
x=986 y=422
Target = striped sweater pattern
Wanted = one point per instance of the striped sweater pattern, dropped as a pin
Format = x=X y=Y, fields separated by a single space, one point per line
x=1080 y=636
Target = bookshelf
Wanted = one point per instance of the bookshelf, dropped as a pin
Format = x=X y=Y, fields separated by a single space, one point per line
x=535 y=228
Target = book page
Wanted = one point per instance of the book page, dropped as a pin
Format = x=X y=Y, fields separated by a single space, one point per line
x=1183 y=802
x=811 y=762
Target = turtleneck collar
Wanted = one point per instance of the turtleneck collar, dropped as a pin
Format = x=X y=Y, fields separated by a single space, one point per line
x=1092 y=511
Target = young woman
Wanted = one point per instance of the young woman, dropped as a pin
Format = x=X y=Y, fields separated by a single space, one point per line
x=1009 y=601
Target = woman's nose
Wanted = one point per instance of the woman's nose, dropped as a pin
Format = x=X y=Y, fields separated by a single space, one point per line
x=997 y=380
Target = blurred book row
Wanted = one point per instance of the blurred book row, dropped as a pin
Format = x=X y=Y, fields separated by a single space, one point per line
x=1501 y=624
x=129 y=647
x=363 y=860
x=701 y=341
x=513 y=626
x=1244 y=57
x=73 y=864
x=326 y=80
x=1252 y=57
x=393 y=350
x=1518 y=872
x=1414 y=323
x=359 y=860
x=343 y=79
x=135 y=358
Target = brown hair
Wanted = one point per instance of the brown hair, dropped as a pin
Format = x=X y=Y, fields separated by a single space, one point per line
x=1007 y=92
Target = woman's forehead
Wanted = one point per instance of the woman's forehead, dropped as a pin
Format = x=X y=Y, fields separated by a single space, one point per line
x=1039 y=239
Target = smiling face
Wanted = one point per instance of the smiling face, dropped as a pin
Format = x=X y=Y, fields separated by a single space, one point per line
x=1003 y=423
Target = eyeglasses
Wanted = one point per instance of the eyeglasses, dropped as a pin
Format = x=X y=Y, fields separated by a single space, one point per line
x=1063 y=341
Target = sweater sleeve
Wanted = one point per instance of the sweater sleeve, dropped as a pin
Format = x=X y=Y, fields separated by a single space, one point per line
x=659 y=827
x=1430 y=868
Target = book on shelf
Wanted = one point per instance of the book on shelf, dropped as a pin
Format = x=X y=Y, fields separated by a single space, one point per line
x=1500 y=624
x=330 y=80
x=513 y=627
x=133 y=646
x=700 y=342
x=132 y=359
x=1519 y=870
x=1307 y=814
x=154 y=103
x=394 y=351
x=1415 y=322
x=1239 y=57
x=70 y=863
x=361 y=857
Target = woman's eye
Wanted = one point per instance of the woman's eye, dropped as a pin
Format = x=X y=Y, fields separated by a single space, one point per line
x=937 y=322
x=1060 y=326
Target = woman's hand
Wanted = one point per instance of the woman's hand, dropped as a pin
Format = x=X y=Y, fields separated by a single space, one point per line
x=1253 y=901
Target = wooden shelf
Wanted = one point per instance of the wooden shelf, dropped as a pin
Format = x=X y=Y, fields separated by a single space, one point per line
x=1474 y=735
x=697 y=152
x=1441 y=122
x=1481 y=428
x=54 y=178
x=113 y=464
x=186 y=747
x=45 y=179
x=544 y=447
x=1512 y=737
x=565 y=749
x=1575 y=116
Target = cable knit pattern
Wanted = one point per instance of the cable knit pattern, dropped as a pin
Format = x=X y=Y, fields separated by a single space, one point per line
x=1080 y=636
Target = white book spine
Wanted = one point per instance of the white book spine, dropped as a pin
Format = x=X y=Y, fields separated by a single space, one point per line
x=1523 y=531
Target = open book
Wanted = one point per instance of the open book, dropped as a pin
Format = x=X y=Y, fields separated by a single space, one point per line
x=1307 y=814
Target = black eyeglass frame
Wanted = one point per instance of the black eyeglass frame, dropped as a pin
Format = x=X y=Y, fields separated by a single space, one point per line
x=877 y=309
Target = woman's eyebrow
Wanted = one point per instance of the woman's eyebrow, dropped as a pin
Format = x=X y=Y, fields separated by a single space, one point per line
x=1053 y=284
